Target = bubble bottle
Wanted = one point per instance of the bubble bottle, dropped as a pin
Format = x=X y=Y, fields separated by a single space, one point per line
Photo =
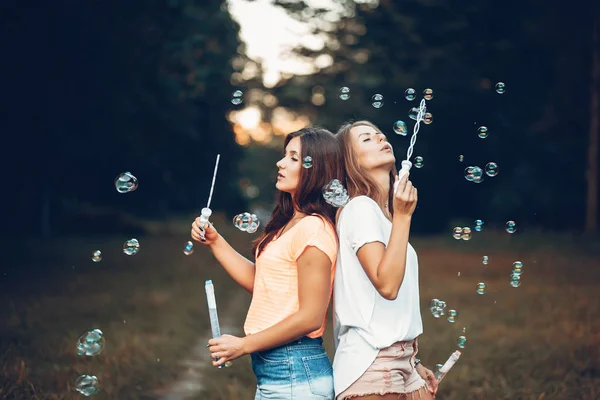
x=212 y=312
x=406 y=164
x=441 y=373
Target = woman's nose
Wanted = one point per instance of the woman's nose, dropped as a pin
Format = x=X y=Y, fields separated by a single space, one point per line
x=279 y=164
x=380 y=137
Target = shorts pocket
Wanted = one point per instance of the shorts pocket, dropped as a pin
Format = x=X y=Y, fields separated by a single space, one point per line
x=320 y=375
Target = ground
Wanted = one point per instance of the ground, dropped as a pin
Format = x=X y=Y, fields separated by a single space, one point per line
x=538 y=341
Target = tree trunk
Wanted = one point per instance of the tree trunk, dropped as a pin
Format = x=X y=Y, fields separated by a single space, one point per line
x=591 y=215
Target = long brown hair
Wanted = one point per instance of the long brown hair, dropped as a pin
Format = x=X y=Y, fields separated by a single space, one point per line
x=356 y=179
x=322 y=146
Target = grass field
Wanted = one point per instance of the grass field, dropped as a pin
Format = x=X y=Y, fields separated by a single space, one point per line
x=538 y=341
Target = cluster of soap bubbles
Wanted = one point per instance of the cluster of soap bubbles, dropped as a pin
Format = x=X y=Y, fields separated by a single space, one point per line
x=237 y=98
x=515 y=276
x=461 y=233
x=126 y=182
x=437 y=307
x=91 y=343
x=335 y=194
x=246 y=222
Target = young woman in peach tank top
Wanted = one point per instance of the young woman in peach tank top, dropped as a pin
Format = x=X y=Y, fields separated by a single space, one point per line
x=291 y=280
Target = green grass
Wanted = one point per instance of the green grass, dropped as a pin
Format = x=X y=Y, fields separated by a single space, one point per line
x=538 y=341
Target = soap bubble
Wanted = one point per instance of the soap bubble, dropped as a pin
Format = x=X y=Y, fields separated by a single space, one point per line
x=466 y=233
x=461 y=342
x=428 y=118
x=335 y=194
x=481 y=288
x=246 y=222
x=457 y=232
x=473 y=174
x=483 y=132
x=511 y=227
x=188 y=249
x=491 y=169
x=437 y=307
x=418 y=162
x=500 y=87
x=90 y=343
x=400 y=128
x=131 y=247
x=87 y=385
x=97 y=256
x=413 y=113
x=461 y=158
x=237 y=98
x=452 y=316
x=410 y=94
x=478 y=225
x=515 y=281
x=126 y=182
x=438 y=366
x=307 y=162
x=428 y=94
x=517 y=268
x=485 y=260
x=377 y=101
x=345 y=93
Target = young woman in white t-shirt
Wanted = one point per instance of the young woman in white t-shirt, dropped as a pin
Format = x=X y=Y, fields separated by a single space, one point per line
x=377 y=319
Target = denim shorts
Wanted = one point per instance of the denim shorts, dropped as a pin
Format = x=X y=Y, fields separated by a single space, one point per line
x=299 y=370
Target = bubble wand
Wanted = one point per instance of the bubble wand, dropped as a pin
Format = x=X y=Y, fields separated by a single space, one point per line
x=439 y=375
x=212 y=312
x=406 y=164
x=206 y=211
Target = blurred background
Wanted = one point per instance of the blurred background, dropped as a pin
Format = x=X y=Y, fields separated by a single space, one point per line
x=158 y=88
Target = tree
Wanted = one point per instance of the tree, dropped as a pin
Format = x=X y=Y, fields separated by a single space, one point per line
x=591 y=216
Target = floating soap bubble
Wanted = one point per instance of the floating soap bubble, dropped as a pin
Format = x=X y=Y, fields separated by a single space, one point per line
x=452 y=316
x=97 y=256
x=517 y=268
x=485 y=260
x=428 y=118
x=464 y=329
x=126 y=182
x=254 y=224
x=410 y=94
x=461 y=342
x=90 y=343
x=307 y=162
x=246 y=222
x=437 y=307
x=413 y=112
x=466 y=233
x=237 y=98
x=87 y=385
x=481 y=288
x=457 y=232
x=131 y=247
x=335 y=194
x=458 y=273
x=491 y=169
x=188 y=249
x=438 y=366
x=400 y=128
x=478 y=225
x=418 y=162
x=473 y=174
x=345 y=93
x=500 y=87
x=483 y=132
x=511 y=227
x=428 y=94
x=377 y=101
x=461 y=158
x=515 y=280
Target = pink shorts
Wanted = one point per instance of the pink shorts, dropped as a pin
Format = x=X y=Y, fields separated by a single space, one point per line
x=392 y=371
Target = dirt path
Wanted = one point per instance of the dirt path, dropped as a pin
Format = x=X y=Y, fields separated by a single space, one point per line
x=190 y=383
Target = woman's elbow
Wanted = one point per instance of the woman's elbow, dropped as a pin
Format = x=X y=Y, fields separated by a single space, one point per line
x=389 y=292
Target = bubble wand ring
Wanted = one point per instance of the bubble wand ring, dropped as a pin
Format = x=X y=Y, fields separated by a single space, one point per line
x=406 y=164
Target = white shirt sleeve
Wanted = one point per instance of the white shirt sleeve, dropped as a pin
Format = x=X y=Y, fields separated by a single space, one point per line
x=362 y=223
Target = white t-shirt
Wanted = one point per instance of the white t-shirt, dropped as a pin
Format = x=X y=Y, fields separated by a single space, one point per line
x=364 y=321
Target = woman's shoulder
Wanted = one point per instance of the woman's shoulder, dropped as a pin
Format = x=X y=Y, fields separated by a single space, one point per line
x=316 y=221
x=358 y=203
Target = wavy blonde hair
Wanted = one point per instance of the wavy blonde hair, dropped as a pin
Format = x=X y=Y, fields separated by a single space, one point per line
x=356 y=179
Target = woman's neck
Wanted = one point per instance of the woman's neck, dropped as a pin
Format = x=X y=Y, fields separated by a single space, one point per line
x=382 y=177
